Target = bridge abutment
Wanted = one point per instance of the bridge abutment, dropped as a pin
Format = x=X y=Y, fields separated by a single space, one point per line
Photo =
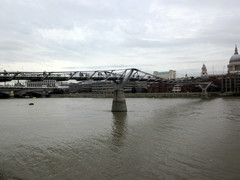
x=119 y=103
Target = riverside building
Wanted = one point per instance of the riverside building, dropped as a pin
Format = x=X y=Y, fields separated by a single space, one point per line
x=171 y=74
x=44 y=83
x=231 y=81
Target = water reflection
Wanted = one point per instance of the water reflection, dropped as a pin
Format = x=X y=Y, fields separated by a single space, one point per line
x=119 y=128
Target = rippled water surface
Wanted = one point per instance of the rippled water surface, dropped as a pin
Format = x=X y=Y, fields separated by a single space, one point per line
x=156 y=139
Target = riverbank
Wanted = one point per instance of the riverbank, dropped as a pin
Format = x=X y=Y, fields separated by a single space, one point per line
x=142 y=95
x=139 y=95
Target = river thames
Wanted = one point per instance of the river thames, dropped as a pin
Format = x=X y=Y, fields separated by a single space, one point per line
x=80 y=138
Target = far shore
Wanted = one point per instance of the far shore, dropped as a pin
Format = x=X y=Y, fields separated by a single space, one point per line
x=139 y=95
x=143 y=95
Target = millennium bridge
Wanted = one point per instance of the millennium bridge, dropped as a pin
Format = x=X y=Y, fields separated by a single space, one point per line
x=119 y=76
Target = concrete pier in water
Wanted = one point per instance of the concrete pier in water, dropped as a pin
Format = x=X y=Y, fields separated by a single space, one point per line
x=204 y=88
x=119 y=103
x=204 y=94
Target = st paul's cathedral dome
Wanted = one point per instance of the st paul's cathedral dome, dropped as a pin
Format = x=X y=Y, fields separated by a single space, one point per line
x=234 y=62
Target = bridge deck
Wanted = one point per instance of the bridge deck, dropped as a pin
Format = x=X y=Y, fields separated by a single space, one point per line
x=110 y=75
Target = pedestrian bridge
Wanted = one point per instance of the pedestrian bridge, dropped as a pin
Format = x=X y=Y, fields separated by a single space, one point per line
x=98 y=75
x=120 y=77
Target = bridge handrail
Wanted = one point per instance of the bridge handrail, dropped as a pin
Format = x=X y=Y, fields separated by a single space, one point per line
x=77 y=75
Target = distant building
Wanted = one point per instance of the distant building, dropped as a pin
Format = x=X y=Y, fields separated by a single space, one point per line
x=231 y=81
x=176 y=88
x=234 y=62
x=18 y=83
x=80 y=87
x=160 y=87
x=107 y=87
x=102 y=87
x=204 y=71
x=44 y=83
x=136 y=87
x=171 y=74
x=63 y=85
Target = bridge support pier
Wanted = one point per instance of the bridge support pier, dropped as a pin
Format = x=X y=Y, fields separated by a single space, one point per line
x=11 y=95
x=119 y=103
x=204 y=88
x=204 y=94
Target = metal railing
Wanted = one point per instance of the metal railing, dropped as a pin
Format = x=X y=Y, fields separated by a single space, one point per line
x=98 y=75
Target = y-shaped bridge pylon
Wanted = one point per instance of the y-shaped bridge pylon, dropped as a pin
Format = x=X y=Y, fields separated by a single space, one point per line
x=204 y=88
x=119 y=103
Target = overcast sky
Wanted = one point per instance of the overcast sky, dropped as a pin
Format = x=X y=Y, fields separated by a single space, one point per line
x=151 y=35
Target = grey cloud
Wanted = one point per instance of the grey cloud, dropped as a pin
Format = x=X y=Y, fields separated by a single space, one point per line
x=117 y=32
x=13 y=45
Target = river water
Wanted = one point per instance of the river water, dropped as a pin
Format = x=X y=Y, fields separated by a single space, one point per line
x=80 y=138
